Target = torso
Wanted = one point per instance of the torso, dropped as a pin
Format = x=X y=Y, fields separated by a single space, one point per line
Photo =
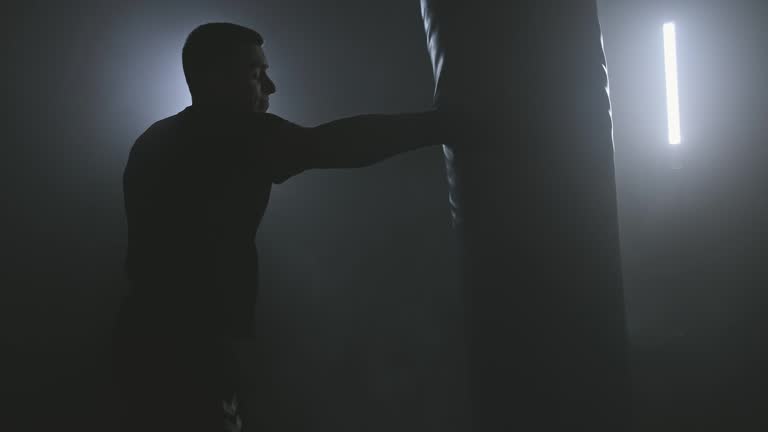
x=196 y=190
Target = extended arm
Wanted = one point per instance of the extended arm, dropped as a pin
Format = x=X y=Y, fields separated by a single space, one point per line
x=367 y=139
x=353 y=142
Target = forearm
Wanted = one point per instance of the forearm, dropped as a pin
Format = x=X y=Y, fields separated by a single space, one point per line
x=366 y=139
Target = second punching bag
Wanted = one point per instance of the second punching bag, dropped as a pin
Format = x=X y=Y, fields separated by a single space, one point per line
x=534 y=200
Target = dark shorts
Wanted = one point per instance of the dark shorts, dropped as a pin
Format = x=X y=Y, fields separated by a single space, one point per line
x=169 y=380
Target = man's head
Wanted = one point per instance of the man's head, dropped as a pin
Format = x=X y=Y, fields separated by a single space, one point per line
x=225 y=67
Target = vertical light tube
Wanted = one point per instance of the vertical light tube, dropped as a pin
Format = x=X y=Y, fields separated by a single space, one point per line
x=673 y=97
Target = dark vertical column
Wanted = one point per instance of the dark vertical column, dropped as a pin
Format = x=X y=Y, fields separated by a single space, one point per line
x=534 y=197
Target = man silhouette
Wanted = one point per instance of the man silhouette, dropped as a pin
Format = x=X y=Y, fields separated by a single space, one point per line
x=196 y=186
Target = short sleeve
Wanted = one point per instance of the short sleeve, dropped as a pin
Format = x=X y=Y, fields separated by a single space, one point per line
x=286 y=150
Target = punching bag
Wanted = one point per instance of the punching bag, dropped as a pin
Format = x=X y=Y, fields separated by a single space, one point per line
x=533 y=196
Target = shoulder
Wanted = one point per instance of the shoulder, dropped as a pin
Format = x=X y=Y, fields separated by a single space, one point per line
x=163 y=129
x=159 y=137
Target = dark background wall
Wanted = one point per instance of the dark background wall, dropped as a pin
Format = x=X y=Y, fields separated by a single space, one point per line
x=693 y=217
x=359 y=322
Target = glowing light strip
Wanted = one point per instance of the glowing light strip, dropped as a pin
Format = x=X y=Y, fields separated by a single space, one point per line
x=673 y=97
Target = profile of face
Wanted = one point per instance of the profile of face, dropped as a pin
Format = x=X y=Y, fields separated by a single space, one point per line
x=246 y=85
x=260 y=85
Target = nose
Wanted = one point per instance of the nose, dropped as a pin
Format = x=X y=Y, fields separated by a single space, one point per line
x=269 y=86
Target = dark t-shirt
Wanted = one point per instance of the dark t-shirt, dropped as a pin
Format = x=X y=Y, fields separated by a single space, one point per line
x=196 y=186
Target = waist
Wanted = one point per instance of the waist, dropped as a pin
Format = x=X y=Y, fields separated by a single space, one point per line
x=165 y=315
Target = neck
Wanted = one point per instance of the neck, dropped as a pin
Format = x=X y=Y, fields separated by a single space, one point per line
x=209 y=106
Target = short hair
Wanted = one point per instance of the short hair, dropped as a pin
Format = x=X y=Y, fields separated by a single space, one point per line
x=209 y=46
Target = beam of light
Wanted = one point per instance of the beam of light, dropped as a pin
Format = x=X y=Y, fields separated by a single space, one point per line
x=673 y=97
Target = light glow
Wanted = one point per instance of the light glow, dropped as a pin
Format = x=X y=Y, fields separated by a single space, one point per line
x=673 y=97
